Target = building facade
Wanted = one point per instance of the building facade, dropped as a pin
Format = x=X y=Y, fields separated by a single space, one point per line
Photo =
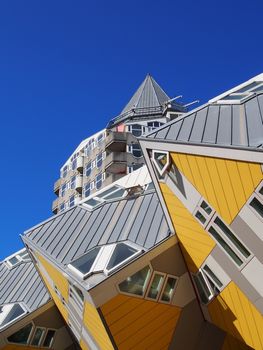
x=207 y=169
x=114 y=151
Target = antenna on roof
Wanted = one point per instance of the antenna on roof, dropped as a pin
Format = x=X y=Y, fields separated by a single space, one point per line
x=191 y=103
x=175 y=98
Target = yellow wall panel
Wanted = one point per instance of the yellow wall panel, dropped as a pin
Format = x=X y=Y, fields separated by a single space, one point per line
x=145 y=325
x=59 y=280
x=233 y=312
x=225 y=184
x=94 y=325
x=195 y=241
x=57 y=301
x=83 y=345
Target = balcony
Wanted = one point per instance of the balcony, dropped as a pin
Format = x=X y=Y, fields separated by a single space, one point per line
x=80 y=164
x=55 y=205
x=79 y=184
x=57 y=185
x=116 y=141
x=116 y=163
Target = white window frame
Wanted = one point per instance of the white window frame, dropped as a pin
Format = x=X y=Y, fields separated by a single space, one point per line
x=49 y=329
x=41 y=338
x=207 y=216
x=22 y=305
x=18 y=256
x=150 y=284
x=146 y=285
x=259 y=197
x=29 y=337
x=161 y=171
x=164 y=285
x=212 y=293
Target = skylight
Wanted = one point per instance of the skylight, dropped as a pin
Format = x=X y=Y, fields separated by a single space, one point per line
x=243 y=93
x=104 y=259
x=111 y=193
x=17 y=258
x=11 y=312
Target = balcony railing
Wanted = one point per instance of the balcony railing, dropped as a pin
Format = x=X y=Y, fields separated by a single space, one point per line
x=116 y=163
x=116 y=141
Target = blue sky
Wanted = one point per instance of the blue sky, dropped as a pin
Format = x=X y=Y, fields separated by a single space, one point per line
x=67 y=67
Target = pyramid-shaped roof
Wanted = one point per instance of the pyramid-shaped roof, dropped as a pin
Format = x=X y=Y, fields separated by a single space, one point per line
x=149 y=94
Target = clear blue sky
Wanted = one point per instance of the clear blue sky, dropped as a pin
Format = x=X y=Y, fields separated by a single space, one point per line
x=67 y=67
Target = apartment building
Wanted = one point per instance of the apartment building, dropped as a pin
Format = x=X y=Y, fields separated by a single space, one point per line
x=114 y=151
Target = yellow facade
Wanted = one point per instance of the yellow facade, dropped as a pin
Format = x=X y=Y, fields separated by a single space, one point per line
x=94 y=325
x=225 y=184
x=140 y=324
x=233 y=312
x=59 y=280
x=195 y=241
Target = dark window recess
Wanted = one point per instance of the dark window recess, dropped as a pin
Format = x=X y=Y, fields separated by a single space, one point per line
x=200 y=217
x=213 y=276
x=21 y=336
x=232 y=238
x=255 y=203
x=225 y=246
x=206 y=207
x=49 y=338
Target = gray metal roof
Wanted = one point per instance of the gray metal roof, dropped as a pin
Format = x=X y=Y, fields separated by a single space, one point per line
x=237 y=125
x=66 y=236
x=22 y=283
x=149 y=94
x=148 y=100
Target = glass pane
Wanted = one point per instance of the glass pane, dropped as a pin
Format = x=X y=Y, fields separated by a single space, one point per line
x=136 y=284
x=203 y=290
x=84 y=263
x=232 y=238
x=225 y=246
x=169 y=289
x=49 y=338
x=117 y=194
x=255 y=203
x=248 y=87
x=156 y=286
x=234 y=97
x=261 y=190
x=11 y=313
x=88 y=169
x=13 y=260
x=121 y=252
x=108 y=191
x=93 y=202
x=213 y=276
x=200 y=217
x=206 y=207
x=161 y=159
x=37 y=336
x=21 y=336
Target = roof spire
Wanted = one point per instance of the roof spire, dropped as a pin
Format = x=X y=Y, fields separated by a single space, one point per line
x=149 y=94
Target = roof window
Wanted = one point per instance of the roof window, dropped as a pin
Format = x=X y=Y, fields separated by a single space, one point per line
x=10 y=313
x=243 y=93
x=17 y=258
x=104 y=259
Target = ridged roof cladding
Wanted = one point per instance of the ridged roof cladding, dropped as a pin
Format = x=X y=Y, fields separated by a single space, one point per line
x=237 y=125
x=71 y=234
x=149 y=94
x=22 y=283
